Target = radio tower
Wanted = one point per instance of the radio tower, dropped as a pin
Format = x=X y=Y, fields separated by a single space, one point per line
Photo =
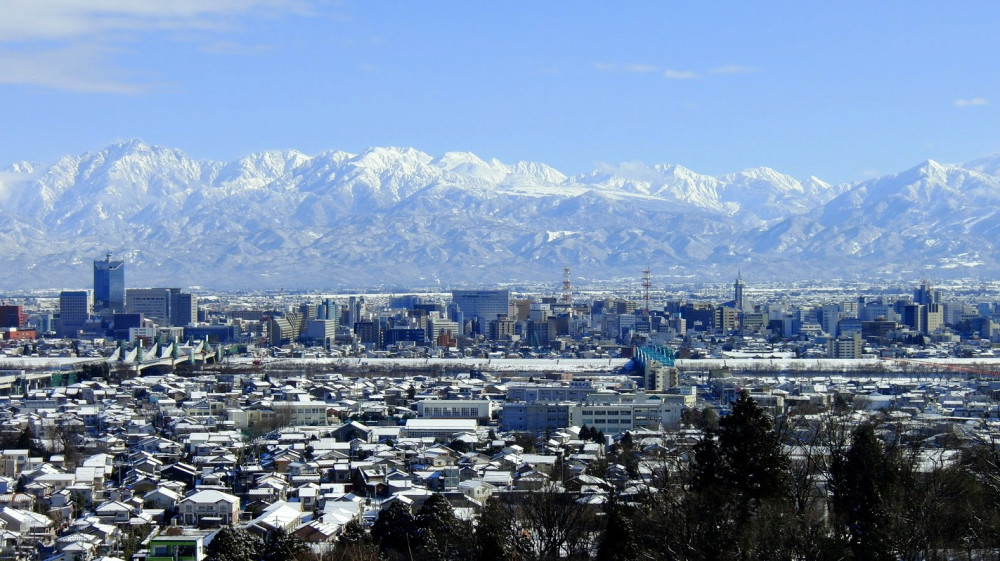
x=645 y=290
x=567 y=291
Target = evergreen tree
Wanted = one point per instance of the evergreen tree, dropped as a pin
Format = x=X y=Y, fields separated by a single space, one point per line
x=493 y=539
x=354 y=543
x=618 y=542
x=441 y=535
x=863 y=481
x=626 y=442
x=234 y=544
x=395 y=531
x=282 y=546
x=754 y=464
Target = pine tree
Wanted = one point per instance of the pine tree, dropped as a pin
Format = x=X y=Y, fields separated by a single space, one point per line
x=863 y=481
x=493 y=532
x=618 y=542
x=754 y=463
x=441 y=535
x=354 y=543
x=395 y=531
x=282 y=546
x=234 y=544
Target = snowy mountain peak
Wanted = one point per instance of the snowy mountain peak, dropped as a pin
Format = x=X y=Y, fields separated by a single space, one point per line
x=21 y=168
x=389 y=215
x=391 y=158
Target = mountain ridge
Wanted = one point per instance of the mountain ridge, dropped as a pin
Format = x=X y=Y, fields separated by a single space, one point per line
x=283 y=218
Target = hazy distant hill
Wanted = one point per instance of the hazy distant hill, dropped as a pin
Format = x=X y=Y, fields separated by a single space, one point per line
x=398 y=216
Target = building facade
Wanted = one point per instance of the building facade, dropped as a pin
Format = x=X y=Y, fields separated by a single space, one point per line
x=482 y=306
x=109 y=285
x=74 y=311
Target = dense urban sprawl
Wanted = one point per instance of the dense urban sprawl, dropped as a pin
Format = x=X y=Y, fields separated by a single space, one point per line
x=160 y=424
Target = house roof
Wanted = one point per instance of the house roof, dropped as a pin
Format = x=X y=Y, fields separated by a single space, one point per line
x=211 y=496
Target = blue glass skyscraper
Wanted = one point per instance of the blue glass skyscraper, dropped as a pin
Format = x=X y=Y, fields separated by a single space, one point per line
x=109 y=285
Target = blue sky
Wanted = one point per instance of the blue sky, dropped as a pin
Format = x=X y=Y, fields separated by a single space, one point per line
x=842 y=90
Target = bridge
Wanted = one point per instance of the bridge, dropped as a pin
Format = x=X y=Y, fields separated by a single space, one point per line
x=161 y=358
x=657 y=364
x=654 y=353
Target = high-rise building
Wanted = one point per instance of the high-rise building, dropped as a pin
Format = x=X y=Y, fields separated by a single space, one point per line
x=183 y=308
x=482 y=306
x=926 y=295
x=109 y=285
x=13 y=316
x=152 y=303
x=165 y=306
x=74 y=311
x=738 y=292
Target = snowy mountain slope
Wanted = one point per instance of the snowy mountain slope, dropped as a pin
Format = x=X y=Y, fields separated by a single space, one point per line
x=400 y=216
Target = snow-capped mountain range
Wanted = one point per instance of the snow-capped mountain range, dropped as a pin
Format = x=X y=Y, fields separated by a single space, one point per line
x=400 y=217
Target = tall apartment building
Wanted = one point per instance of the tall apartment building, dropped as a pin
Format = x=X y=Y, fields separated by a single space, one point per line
x=109 y=285
x=846 y=346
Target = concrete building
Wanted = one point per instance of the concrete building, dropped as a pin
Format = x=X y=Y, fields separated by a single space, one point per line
x=152 y=303
x=531 y=392
x=534 y=417
x=613 y=413
x=481 y=409
x=183 y=308
x=438 y=428
x=846 y=346
x=13 y=316
x=164 y=306
x=322 y=330
x=74 y=311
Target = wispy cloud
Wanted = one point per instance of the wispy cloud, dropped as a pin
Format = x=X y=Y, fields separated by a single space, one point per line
x=669 y=73
x=679 y=74
x=78 y=68
x=71 y=45
x=234 y=48
x=972 y=102
x=733 y=69
x=640 y=68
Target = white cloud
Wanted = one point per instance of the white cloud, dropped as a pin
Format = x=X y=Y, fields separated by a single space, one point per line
x=640 y=68
x=234 y=48
x=679 y=74
x=604 y=66
x=733 y=69
x=971 y=102
x=27 y=20
x=71 y=44
x=78 y=68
